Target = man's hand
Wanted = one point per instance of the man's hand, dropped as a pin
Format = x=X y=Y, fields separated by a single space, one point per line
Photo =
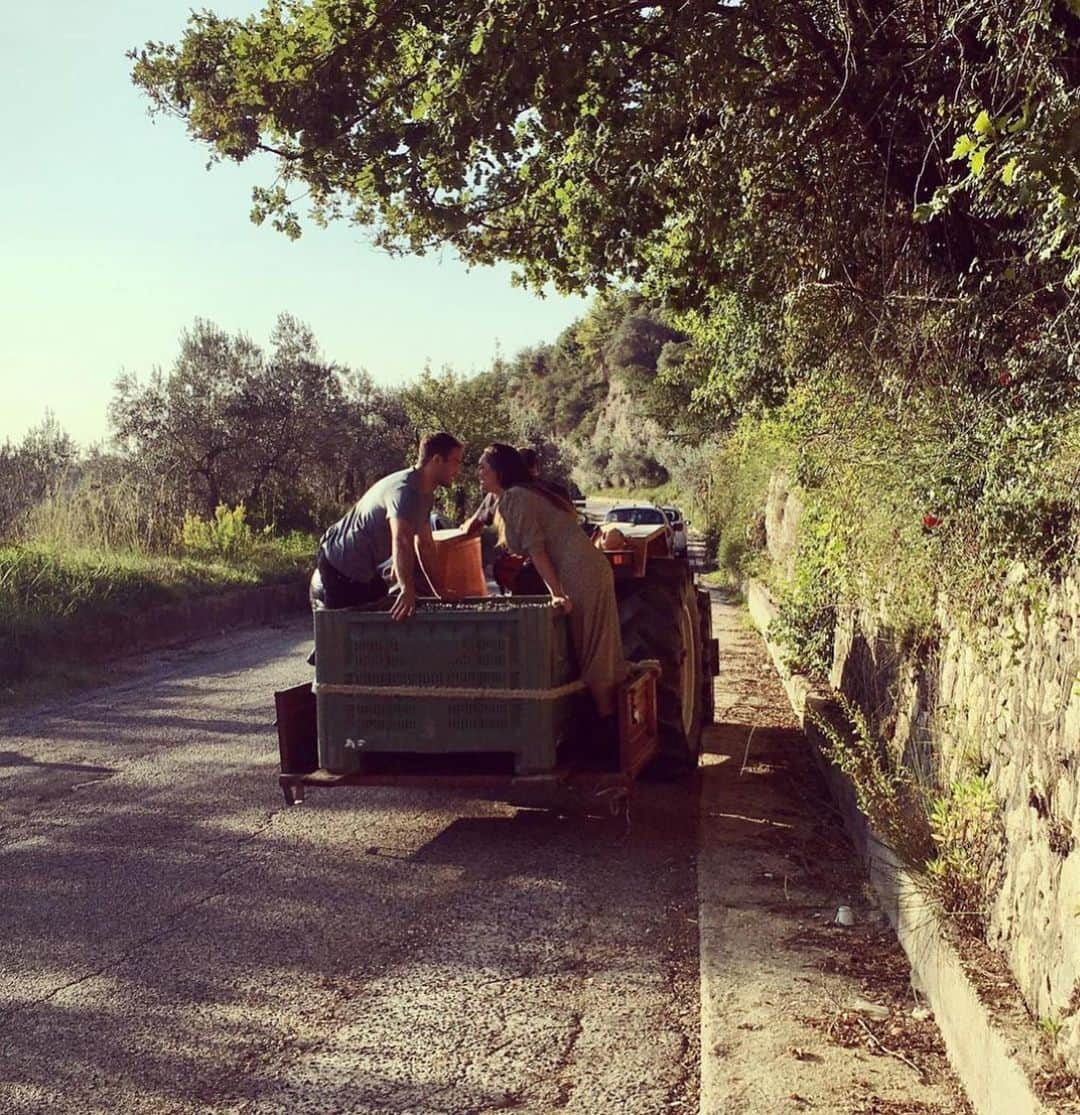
x=405 y=605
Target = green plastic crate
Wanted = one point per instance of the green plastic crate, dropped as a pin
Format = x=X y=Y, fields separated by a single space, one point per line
x=519 y=643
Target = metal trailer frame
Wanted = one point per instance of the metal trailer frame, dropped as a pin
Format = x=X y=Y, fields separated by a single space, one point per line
x=609 y=789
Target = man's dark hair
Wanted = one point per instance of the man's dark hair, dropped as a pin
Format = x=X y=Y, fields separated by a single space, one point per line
x=441 y=444
x=528 y=456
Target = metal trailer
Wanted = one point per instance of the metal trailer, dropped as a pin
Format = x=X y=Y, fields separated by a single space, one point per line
x=608 y=790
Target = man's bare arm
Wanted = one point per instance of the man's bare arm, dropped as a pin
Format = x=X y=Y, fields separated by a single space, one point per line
x=402 y=538
x=429 y=562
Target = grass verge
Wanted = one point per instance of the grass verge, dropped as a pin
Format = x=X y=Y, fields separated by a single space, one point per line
x=51 y=596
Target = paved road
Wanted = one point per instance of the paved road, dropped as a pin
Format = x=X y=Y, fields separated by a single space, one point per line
x=172 y=939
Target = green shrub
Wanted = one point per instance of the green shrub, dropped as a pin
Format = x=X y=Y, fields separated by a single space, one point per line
x=887 y=792
x=910 y=505
x=805 y=627
x=948 y=838
x=735 y=488
x=105 y=512
x=226 y=535
x=964 y=824
x=668 y=494
x=805 y=624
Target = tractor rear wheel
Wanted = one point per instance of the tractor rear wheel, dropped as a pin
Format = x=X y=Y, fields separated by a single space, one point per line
x=659 y=618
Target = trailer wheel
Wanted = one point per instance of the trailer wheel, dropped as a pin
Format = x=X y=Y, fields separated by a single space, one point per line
x=659 y=618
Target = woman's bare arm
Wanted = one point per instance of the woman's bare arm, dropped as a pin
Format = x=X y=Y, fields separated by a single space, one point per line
x=550 y=576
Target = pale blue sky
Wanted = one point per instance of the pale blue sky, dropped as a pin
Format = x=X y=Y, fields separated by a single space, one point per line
x=115 y=238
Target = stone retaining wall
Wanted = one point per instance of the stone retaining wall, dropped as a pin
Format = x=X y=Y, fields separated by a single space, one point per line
x=1002 y=700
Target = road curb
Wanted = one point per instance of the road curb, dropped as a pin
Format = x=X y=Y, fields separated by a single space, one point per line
x=986 y=1059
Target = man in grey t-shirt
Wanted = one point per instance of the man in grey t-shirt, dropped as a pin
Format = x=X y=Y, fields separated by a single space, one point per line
x=390 y=522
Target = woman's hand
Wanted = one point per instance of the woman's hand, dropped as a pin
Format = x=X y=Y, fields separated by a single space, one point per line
x=563 y=603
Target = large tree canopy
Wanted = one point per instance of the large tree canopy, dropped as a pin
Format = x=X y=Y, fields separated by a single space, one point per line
x=588 y=142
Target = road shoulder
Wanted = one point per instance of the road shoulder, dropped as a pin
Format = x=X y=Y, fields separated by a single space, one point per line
x=798 y=1013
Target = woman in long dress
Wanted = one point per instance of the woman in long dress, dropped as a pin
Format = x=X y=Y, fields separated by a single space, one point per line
x=538 y=521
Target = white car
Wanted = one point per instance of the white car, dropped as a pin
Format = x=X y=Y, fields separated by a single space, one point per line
x=678 y=527
x=640 y=520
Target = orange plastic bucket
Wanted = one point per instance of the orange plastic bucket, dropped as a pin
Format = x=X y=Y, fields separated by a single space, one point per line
x=459 y=565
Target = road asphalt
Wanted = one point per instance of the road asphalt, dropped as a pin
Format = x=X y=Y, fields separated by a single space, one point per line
x=173 y=938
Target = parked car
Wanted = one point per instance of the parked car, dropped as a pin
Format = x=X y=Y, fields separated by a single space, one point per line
x=678 y=527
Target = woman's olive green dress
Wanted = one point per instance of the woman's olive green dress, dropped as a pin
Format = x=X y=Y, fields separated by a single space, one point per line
x=529 y=521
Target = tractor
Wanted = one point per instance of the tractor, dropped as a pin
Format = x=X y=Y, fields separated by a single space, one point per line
x=481 y=691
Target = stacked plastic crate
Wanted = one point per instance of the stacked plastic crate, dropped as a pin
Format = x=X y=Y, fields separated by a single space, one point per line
x=492 y=675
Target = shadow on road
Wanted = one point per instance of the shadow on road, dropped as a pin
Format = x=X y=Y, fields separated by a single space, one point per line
x=17 y=759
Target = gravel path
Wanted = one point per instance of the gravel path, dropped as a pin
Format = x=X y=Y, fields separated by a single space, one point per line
x=798 y=1013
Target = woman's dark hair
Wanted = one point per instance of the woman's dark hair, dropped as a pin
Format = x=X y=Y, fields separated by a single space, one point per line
x=505 y=461
x=507 y=464
x=532 y=462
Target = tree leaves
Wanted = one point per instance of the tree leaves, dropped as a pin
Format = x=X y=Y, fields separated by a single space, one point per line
x=285 y=433
x=835 y=172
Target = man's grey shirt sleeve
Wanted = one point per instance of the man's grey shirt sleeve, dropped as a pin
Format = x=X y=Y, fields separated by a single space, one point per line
x=406 y=501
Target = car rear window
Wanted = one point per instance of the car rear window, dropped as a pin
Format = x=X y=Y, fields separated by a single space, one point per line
x=636 y=516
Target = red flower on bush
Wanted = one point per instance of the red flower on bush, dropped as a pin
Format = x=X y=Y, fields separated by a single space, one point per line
x=929 y=521
x=1004 y=379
